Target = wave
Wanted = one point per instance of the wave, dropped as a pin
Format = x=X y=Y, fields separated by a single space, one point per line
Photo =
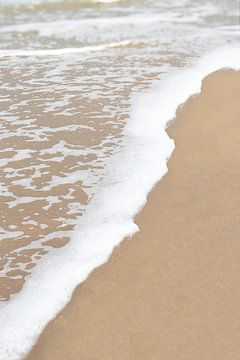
x=130 y=175
x=56 y=28
x=65 y=51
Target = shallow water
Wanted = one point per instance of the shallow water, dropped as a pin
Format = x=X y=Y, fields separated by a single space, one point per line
x=70 y=71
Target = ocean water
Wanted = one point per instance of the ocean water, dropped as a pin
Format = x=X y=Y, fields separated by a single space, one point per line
x=87 y=90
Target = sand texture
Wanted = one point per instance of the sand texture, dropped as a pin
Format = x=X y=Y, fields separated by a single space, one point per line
x=172 y=292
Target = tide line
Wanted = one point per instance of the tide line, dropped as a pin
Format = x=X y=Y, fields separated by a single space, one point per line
x=64 y=51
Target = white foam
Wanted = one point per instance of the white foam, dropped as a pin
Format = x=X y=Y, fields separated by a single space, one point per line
x=63 y=51
x=68 y=28
x=130 y=176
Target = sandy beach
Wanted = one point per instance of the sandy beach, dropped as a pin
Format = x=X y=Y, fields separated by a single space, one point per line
x=104 y=253
x=172 y=291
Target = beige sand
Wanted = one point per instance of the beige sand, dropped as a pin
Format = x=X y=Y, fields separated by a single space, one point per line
x=173 y=291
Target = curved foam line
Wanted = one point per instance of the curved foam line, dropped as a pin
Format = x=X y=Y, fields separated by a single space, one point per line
x=131 y=175
x=64 y=51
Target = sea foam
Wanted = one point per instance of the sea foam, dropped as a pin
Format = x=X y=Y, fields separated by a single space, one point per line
x=64 y=51
x=130 y=175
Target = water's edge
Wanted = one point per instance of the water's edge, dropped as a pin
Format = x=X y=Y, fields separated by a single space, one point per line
x=110 y=217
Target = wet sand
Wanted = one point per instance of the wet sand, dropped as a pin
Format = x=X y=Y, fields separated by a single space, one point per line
x=171 y=292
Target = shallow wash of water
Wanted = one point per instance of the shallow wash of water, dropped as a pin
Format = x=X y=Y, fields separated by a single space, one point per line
x=73 y=134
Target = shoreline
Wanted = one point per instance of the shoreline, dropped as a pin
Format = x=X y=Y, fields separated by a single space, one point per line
x=124 y=310
x=111 y=214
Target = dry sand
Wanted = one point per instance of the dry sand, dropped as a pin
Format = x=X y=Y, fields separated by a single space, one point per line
x=173 y=291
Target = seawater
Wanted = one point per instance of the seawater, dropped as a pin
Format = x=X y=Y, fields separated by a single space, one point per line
x=87 y=89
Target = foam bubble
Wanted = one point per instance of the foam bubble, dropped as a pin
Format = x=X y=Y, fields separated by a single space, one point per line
x=130 y=176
